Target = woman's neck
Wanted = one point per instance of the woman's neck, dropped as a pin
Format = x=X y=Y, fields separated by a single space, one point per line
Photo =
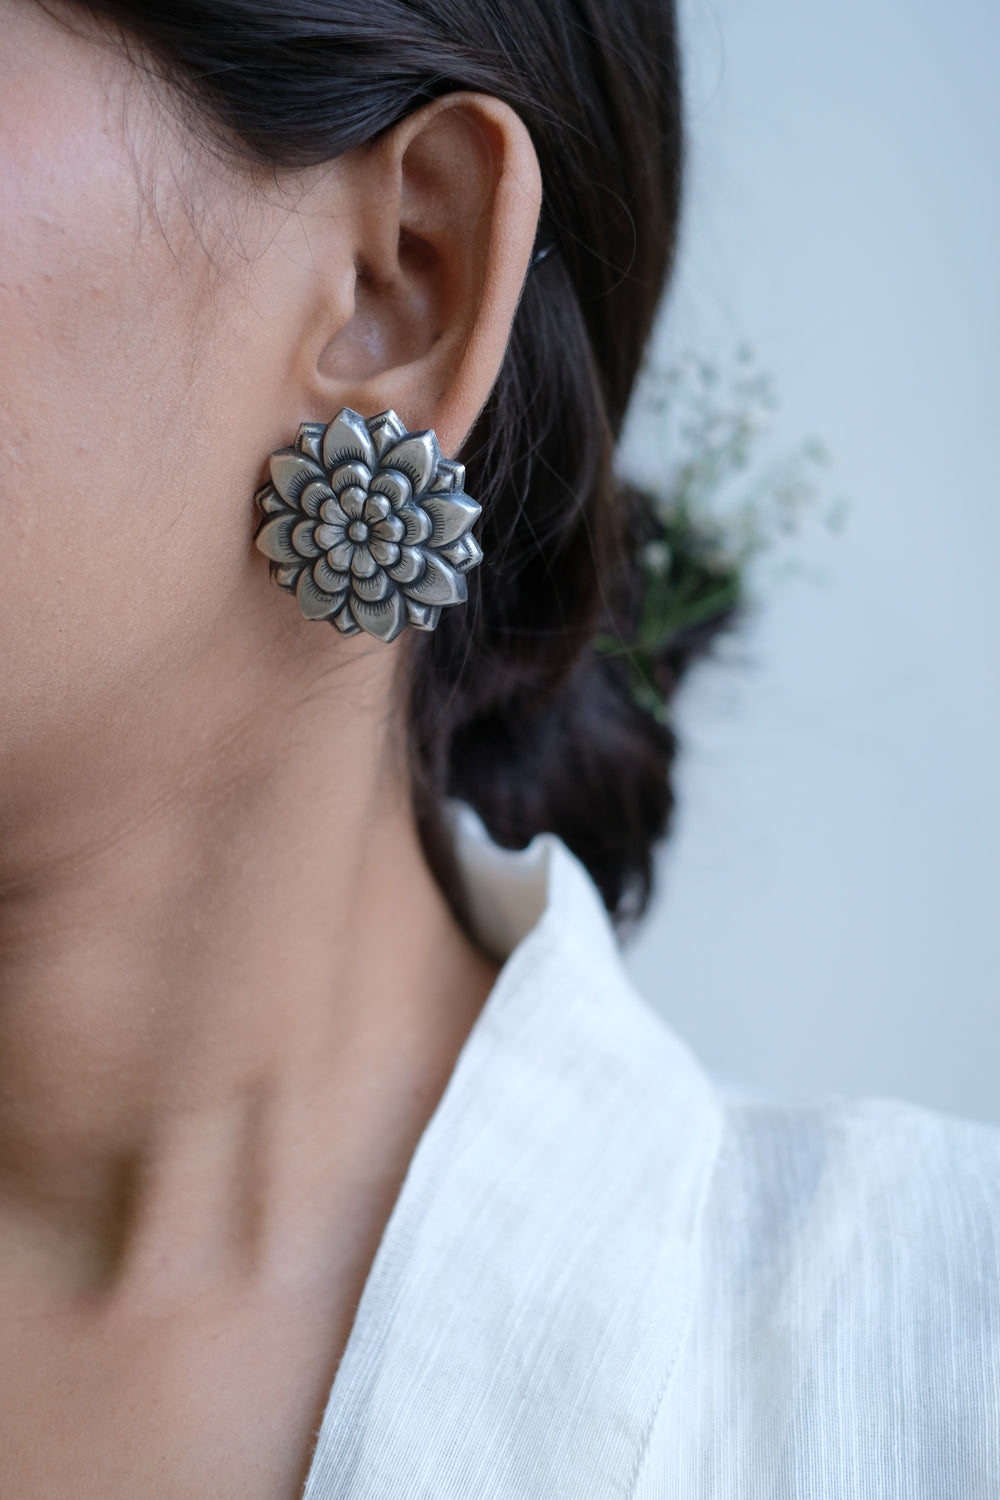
x=230 y=991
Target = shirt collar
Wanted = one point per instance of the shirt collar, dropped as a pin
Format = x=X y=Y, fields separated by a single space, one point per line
x=524 y=1313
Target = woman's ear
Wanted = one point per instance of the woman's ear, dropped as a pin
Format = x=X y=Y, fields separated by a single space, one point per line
x=443 y=218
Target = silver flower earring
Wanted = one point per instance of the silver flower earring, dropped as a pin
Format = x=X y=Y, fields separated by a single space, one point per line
x=368 y=525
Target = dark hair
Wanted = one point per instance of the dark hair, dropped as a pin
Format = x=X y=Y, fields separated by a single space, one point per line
x=511 y=707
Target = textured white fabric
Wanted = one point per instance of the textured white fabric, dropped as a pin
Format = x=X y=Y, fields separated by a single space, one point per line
x=605 y=1277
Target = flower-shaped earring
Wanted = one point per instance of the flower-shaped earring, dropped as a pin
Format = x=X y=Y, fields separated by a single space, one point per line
x=368 y=525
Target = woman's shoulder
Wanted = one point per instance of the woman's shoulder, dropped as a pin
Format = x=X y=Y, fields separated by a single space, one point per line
x=845 y=1328
x=883 y=1214
x=855 y=1159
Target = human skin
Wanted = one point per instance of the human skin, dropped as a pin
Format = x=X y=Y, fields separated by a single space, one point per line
x=231 y=992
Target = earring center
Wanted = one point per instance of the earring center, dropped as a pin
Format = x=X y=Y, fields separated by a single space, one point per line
x=358 y=531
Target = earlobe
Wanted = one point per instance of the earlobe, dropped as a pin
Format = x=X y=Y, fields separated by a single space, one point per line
x=449 y=203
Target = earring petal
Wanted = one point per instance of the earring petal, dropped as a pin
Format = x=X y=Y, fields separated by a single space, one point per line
x=390 y=530
x=329 y=534
x=285 y=578
x=384 y=620
x=363 y=565
x=350 y=475
x=438 y=584
x=268 y=501
x=417 y=522
x=385 y=429
x=417 y=455
x=422 y=616
x=352 y=502
x=464 y=554
x=394 y=486
x=315 y=603
x=315 y=496
x=274 y=539
x=450 y=477
x=304 y=539
x=330 y=580
x=384 y=553
x=377 y=507
x=347 y=438
x=291 y=472
x=452 y=515
x=375 y=586
x=409 y=567
x=345 y=621
x=310 y=440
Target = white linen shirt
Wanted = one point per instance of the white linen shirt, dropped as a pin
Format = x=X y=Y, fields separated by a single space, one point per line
x=604 y=1276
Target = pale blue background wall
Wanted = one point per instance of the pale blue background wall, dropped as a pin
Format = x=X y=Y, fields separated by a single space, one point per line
x=829 y=912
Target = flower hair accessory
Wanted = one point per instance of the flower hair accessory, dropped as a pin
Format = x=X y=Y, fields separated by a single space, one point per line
x=368 y=525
